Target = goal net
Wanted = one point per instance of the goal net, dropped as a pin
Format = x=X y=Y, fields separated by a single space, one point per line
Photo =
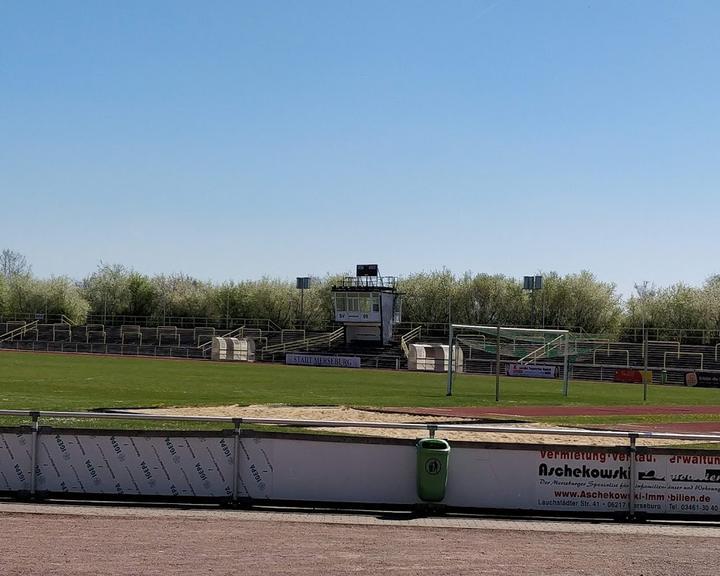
x=530 y=352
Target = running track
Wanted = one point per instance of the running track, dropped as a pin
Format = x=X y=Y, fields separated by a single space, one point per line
x=529 y=412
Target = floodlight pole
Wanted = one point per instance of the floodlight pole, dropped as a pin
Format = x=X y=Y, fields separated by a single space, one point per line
x=642 y=291
x=533 y=284
x=302 y=307
x=645 y=372
x=566 y=374
x=301 y=284
x=497 y=366
x=450 y=361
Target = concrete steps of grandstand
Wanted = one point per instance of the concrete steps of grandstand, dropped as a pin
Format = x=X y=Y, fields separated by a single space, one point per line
x=99 y=339
x=659 y=356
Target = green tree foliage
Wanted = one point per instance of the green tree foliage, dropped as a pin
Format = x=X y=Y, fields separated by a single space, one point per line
x=142 y=295
x=677 y=312
x=426 y=296
x=709 y=303
x=181 y=295
x=318 y=308
x=22 y=295
x=275 y=300
x=25 y=295
x=580 y=301
x=229 y=300
x=107 y=290
x=3 y=296
x=60 y=295
x=489 y=300
x=576 y=301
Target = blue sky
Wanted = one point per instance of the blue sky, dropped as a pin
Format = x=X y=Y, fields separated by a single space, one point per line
x=231 y=140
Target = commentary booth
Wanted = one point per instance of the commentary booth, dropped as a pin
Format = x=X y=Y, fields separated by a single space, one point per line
x=368 y=305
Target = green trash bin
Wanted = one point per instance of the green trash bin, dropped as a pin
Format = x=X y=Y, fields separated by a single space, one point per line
x=432 y=469
x=663 y=377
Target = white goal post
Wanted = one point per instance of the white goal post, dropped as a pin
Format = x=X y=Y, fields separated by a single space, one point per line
x=558 y=338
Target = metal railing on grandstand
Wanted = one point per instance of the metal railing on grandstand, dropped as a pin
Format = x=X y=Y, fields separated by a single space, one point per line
x=366 y=360
x=305 y=344
x=220 y=323
x=101 y=348
x=634 y=334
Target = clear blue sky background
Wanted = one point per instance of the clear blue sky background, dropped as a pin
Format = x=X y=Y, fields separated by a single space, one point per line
x=229 y=140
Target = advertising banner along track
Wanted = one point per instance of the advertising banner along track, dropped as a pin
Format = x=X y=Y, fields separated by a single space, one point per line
x=344 y=469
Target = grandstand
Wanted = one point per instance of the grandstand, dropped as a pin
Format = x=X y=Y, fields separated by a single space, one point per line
x=591 y=357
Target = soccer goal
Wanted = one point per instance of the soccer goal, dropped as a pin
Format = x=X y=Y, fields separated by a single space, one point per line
x=532 y=352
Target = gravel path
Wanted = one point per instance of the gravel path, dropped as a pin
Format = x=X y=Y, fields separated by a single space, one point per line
x=60 y=540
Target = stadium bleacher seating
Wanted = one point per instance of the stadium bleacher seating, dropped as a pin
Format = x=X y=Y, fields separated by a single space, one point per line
x=590 y=359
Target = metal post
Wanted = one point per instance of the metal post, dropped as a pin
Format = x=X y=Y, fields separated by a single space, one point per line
x=532 y=300
x=431 y=429
x=497 y=366
x=236 y=459
x=566 y=372
x=645 y=372
x=227 y=312
x=450 y=362
x=302 y=307
x=33 y=452
x=631 y=499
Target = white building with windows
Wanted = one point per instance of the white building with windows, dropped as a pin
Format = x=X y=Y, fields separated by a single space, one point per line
x=367 y=305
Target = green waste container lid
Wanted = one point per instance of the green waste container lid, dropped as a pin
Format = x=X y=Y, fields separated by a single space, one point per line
x=433 y=444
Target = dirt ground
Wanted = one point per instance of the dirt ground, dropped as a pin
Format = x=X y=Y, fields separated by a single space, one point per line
x=343 y=413
x=152 y=542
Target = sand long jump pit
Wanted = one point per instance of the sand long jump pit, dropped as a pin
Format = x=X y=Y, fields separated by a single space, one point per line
x=488 y=418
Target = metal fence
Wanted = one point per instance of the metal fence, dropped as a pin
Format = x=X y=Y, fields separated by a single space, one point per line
x=117 y=349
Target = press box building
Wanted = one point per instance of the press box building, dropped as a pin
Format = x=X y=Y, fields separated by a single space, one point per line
x=368 y=305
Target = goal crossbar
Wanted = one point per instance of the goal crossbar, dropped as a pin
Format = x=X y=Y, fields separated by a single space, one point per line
x=494 y=328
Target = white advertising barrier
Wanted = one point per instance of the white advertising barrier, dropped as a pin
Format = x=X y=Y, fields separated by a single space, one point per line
x=319 y=360
x=279 y=468
x=15 y=461
x=584 y=480
x=363 y=472
x=531 y=370
x=152 y=466
x=359 y=470
x=135 y=466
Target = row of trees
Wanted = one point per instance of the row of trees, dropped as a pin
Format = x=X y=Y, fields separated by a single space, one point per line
x=579 y=301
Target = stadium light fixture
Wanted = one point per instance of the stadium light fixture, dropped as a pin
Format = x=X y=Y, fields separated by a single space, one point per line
x=302 y=284
x=533 y=284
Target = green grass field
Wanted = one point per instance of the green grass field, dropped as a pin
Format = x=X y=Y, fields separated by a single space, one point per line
x=75 y=382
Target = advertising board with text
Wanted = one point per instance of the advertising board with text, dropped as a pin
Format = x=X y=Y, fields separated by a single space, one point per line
x=583 y=480
x=559 y=479
x=531 y=370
